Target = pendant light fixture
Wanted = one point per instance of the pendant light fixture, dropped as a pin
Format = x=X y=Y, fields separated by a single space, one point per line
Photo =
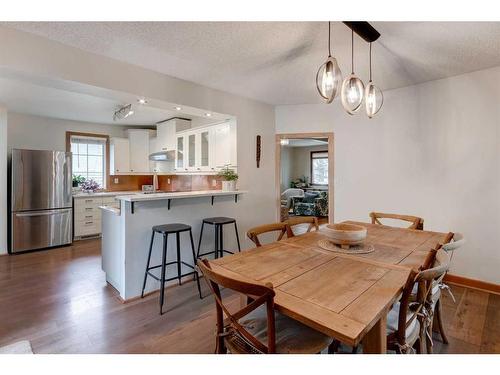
x=352 y=88
x=329 y=76
x=373 y=95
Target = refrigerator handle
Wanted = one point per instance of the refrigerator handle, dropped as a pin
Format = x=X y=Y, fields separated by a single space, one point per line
x=41 y=213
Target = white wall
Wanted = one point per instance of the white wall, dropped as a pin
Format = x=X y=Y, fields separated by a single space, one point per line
x=45 y=133
x=433 y=151
x=3 y=180
x=33 y=55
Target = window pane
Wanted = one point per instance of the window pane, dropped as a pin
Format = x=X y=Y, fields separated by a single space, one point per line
x=74 y=148
x=94 y=164
x=320 y=171
x=320 y=154
x=95 y=149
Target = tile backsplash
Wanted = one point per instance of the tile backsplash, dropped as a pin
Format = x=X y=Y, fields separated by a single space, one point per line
x=165 y=182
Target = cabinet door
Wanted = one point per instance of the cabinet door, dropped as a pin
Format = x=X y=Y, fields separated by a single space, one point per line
x=139 y=151
x=191 y=138
x=222 y=146
x=204 y=140
x=179 y=154
x=119 y=158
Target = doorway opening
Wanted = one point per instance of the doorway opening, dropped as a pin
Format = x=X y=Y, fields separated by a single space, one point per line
x=304 y=176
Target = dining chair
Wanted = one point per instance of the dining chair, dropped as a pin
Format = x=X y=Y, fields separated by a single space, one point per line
x=409 y=322
x=300 y=220
x=452 y=242
x=283 y=229
x=416 y=222
x=257 y=328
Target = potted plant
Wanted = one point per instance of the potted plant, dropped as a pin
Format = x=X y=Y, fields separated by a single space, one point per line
x=229 y=178
x=77 y=180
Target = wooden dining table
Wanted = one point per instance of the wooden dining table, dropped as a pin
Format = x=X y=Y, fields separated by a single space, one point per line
x=345 y=296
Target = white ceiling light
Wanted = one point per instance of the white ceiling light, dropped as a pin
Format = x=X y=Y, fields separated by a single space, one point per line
x=374 y=98
x=123 y=112
x=142 y=101
x=353 y=89
x=329 y=76
x=178 y=108
x=208 y=114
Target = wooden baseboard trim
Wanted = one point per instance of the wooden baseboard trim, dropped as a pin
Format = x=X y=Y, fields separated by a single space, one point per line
x=472 y=283
x=170 y=284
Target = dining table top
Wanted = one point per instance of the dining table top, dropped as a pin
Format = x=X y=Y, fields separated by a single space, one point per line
x=346 y=296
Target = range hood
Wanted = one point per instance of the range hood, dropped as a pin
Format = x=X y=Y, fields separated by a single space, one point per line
x=163 y=156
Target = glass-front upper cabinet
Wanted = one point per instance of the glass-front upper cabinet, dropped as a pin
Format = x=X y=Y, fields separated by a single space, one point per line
x=192 y=151
x=205 y=156
x=179 y=157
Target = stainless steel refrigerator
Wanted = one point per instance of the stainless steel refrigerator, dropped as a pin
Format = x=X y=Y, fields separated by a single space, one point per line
x=40 y=200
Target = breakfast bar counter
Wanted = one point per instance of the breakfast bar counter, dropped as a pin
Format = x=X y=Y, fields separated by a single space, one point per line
x=126 y=232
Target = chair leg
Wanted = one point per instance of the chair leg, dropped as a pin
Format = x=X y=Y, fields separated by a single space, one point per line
x=199 y=241
x=147 y=264
x=196 y=275
x=333 y=347
x=178 y=240
x=237 y=236
x=439 y=318
x=221 y=241
x=163 y=267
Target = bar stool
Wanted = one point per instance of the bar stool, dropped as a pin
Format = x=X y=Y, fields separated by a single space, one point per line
x=165 y=230
x=218 y=223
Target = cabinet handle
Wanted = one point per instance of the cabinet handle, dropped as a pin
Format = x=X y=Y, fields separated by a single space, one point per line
x=89 y=200
x=89 y=217
x=88 y=208
x=89 y=222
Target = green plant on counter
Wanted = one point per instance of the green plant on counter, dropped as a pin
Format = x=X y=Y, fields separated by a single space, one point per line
x=228 y=174
x=77 y=180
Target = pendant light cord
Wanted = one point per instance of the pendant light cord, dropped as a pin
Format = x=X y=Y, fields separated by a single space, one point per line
x=370 y=61
x=329 y=50
x=352 y=51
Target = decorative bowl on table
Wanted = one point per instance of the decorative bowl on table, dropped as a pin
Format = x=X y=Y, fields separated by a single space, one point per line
x=345 y=235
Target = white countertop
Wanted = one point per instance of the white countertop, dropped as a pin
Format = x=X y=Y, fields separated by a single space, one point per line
x=104 y=194
x=140 y=197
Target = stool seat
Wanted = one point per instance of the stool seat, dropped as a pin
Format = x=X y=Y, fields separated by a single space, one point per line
x=219 y=220
x=171 y=228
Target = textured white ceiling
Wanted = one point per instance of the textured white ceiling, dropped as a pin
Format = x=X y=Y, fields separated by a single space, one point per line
x=276 y=62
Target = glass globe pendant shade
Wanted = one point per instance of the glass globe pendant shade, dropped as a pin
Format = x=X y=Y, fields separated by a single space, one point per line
x=373 y=99
x=329 y=79
x=352 y=94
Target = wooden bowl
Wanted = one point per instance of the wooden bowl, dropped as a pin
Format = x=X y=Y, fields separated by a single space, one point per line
x=345 y=235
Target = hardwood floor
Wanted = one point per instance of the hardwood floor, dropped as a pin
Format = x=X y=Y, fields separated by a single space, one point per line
x=60 y=302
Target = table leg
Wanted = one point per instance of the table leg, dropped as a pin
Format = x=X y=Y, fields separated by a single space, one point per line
x=375 y=341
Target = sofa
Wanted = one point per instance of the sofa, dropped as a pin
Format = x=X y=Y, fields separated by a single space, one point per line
x=314 y=203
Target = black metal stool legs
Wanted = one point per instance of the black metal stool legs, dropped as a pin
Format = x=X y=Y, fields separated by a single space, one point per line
x=163 y=268
x=237 y=236
x=221 y=241
x=178 y=240
x=199 y=241
x=147 y=264
x=196 y=274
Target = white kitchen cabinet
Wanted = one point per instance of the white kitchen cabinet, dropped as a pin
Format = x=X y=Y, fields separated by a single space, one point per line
x=87 y=215
x=139 y=150
x=166 y=135
x=119 y=155
x=221 y=150
x=180 y=154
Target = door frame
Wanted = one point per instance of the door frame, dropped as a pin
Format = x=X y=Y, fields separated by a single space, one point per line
x=331 y=169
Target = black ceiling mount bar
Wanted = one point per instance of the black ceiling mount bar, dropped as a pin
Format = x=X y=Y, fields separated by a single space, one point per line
x=364 y=30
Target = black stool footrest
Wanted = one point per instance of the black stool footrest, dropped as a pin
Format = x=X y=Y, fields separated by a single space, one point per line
x=172 y=278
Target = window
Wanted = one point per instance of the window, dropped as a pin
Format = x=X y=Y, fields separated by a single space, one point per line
x=319 y=167
x=89 y=157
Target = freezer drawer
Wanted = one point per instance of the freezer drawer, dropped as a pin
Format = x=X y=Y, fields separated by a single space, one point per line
x=40 y=229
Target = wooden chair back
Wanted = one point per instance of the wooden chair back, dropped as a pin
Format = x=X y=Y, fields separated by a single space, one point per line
x=283 y=229
x=415 y=222
x=229 y=331
x=432 y=270
x=298 y=220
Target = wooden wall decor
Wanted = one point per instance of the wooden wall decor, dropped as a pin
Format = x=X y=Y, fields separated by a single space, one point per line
x=257 y=156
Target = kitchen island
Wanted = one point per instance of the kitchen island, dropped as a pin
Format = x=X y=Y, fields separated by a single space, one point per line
x=126 y=233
